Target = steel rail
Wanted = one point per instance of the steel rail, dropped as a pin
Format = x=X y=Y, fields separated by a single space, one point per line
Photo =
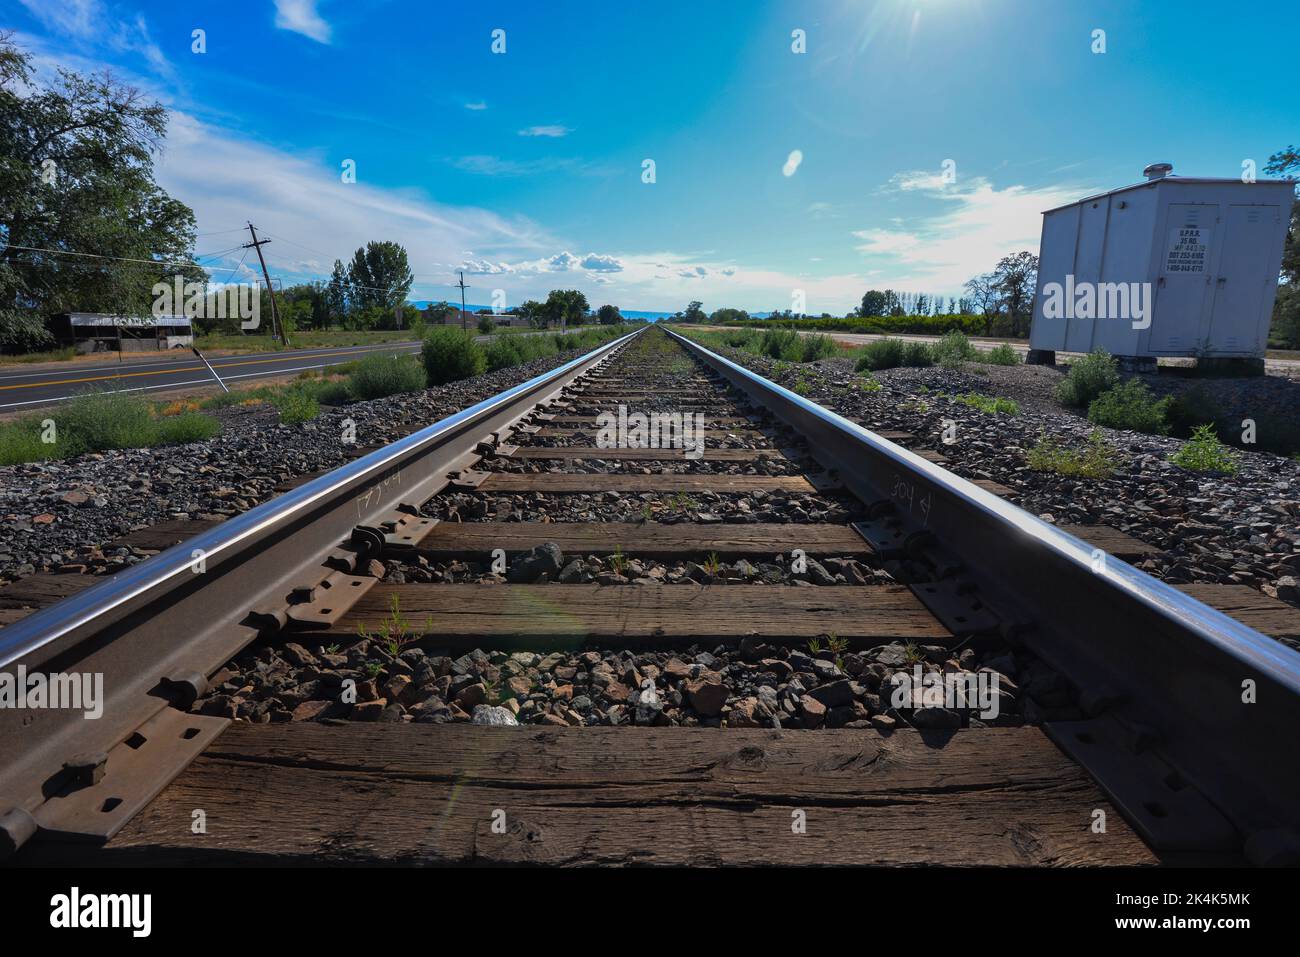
x=174 y=615
x=1198 y=698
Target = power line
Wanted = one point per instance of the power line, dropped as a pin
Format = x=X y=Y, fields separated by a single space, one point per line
x=125 y=259
x=237 y=266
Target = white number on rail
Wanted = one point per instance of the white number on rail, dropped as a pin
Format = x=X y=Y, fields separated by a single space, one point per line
x=905 y=492
x=374 y=492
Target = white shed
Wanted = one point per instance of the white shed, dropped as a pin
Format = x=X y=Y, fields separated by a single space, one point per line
x=1174 y=266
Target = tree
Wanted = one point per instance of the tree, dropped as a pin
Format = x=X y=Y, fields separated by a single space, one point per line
x=874 y=303
x=1285 y=328
x=694 y=312
x=336 y=294
x=984 y=296
x=1015 y=277
x=379 y=275
x=727 y=314
x=566 y=306
x=608 y=315
x=76 y=175
x=534 y=312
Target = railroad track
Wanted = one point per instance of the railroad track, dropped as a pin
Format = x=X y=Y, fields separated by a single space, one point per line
x=700 y=633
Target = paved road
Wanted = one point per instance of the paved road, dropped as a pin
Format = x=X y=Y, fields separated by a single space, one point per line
x=20 y=387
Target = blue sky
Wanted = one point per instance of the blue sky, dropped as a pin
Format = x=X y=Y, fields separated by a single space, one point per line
x=525 y=168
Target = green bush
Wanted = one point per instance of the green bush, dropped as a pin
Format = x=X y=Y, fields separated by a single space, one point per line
x=95 y=421
x=1130 y=405
x=450 y=353
x=817 y=347
x=747 y=339
x=486 y=325
x=337 y=393
x=881 y=354
x=918 y=355
x=187 y=427
x=1001 y=355
x=380 y=375
x=505 y=351
x=1096 y=460
x=1203 y=452
x=781 y=344
x=20 y=441
x=1088 y=378
x=296 y=404
x=954 y=349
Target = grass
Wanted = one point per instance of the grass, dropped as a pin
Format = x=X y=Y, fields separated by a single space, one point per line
x=98 y=421
x=953 y=350
x=53 y=355
x=1130 y=405
x=379 y=376
x=1203 y=452
x=395 y=631
x=296 y=405
x=988 y=403
x=784 y=345
x=1088 y=378
x=306 y=339
x=450 y=354
x=1001 y=355
x=1095 y=460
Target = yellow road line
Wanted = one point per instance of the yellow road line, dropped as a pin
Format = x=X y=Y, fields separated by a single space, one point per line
x=194 y=368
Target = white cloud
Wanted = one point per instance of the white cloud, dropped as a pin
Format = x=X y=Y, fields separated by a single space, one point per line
x=301 y=16
x=481 y=267
x=974 y=226
x=92 y=23
x=313 y=218
x=562 y=262
x=553 y=131
x=477 y=105
x=597 y=263
x=916 y=179
x=77 y=18
x=792 y=162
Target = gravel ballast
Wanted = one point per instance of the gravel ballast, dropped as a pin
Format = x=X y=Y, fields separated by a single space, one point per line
x=56 y=515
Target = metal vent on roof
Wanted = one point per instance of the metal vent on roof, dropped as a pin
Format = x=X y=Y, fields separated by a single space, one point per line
x=1158 y=170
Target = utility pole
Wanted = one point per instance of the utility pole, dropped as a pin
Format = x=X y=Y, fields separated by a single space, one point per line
x=276 y=332
x=463 y=323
